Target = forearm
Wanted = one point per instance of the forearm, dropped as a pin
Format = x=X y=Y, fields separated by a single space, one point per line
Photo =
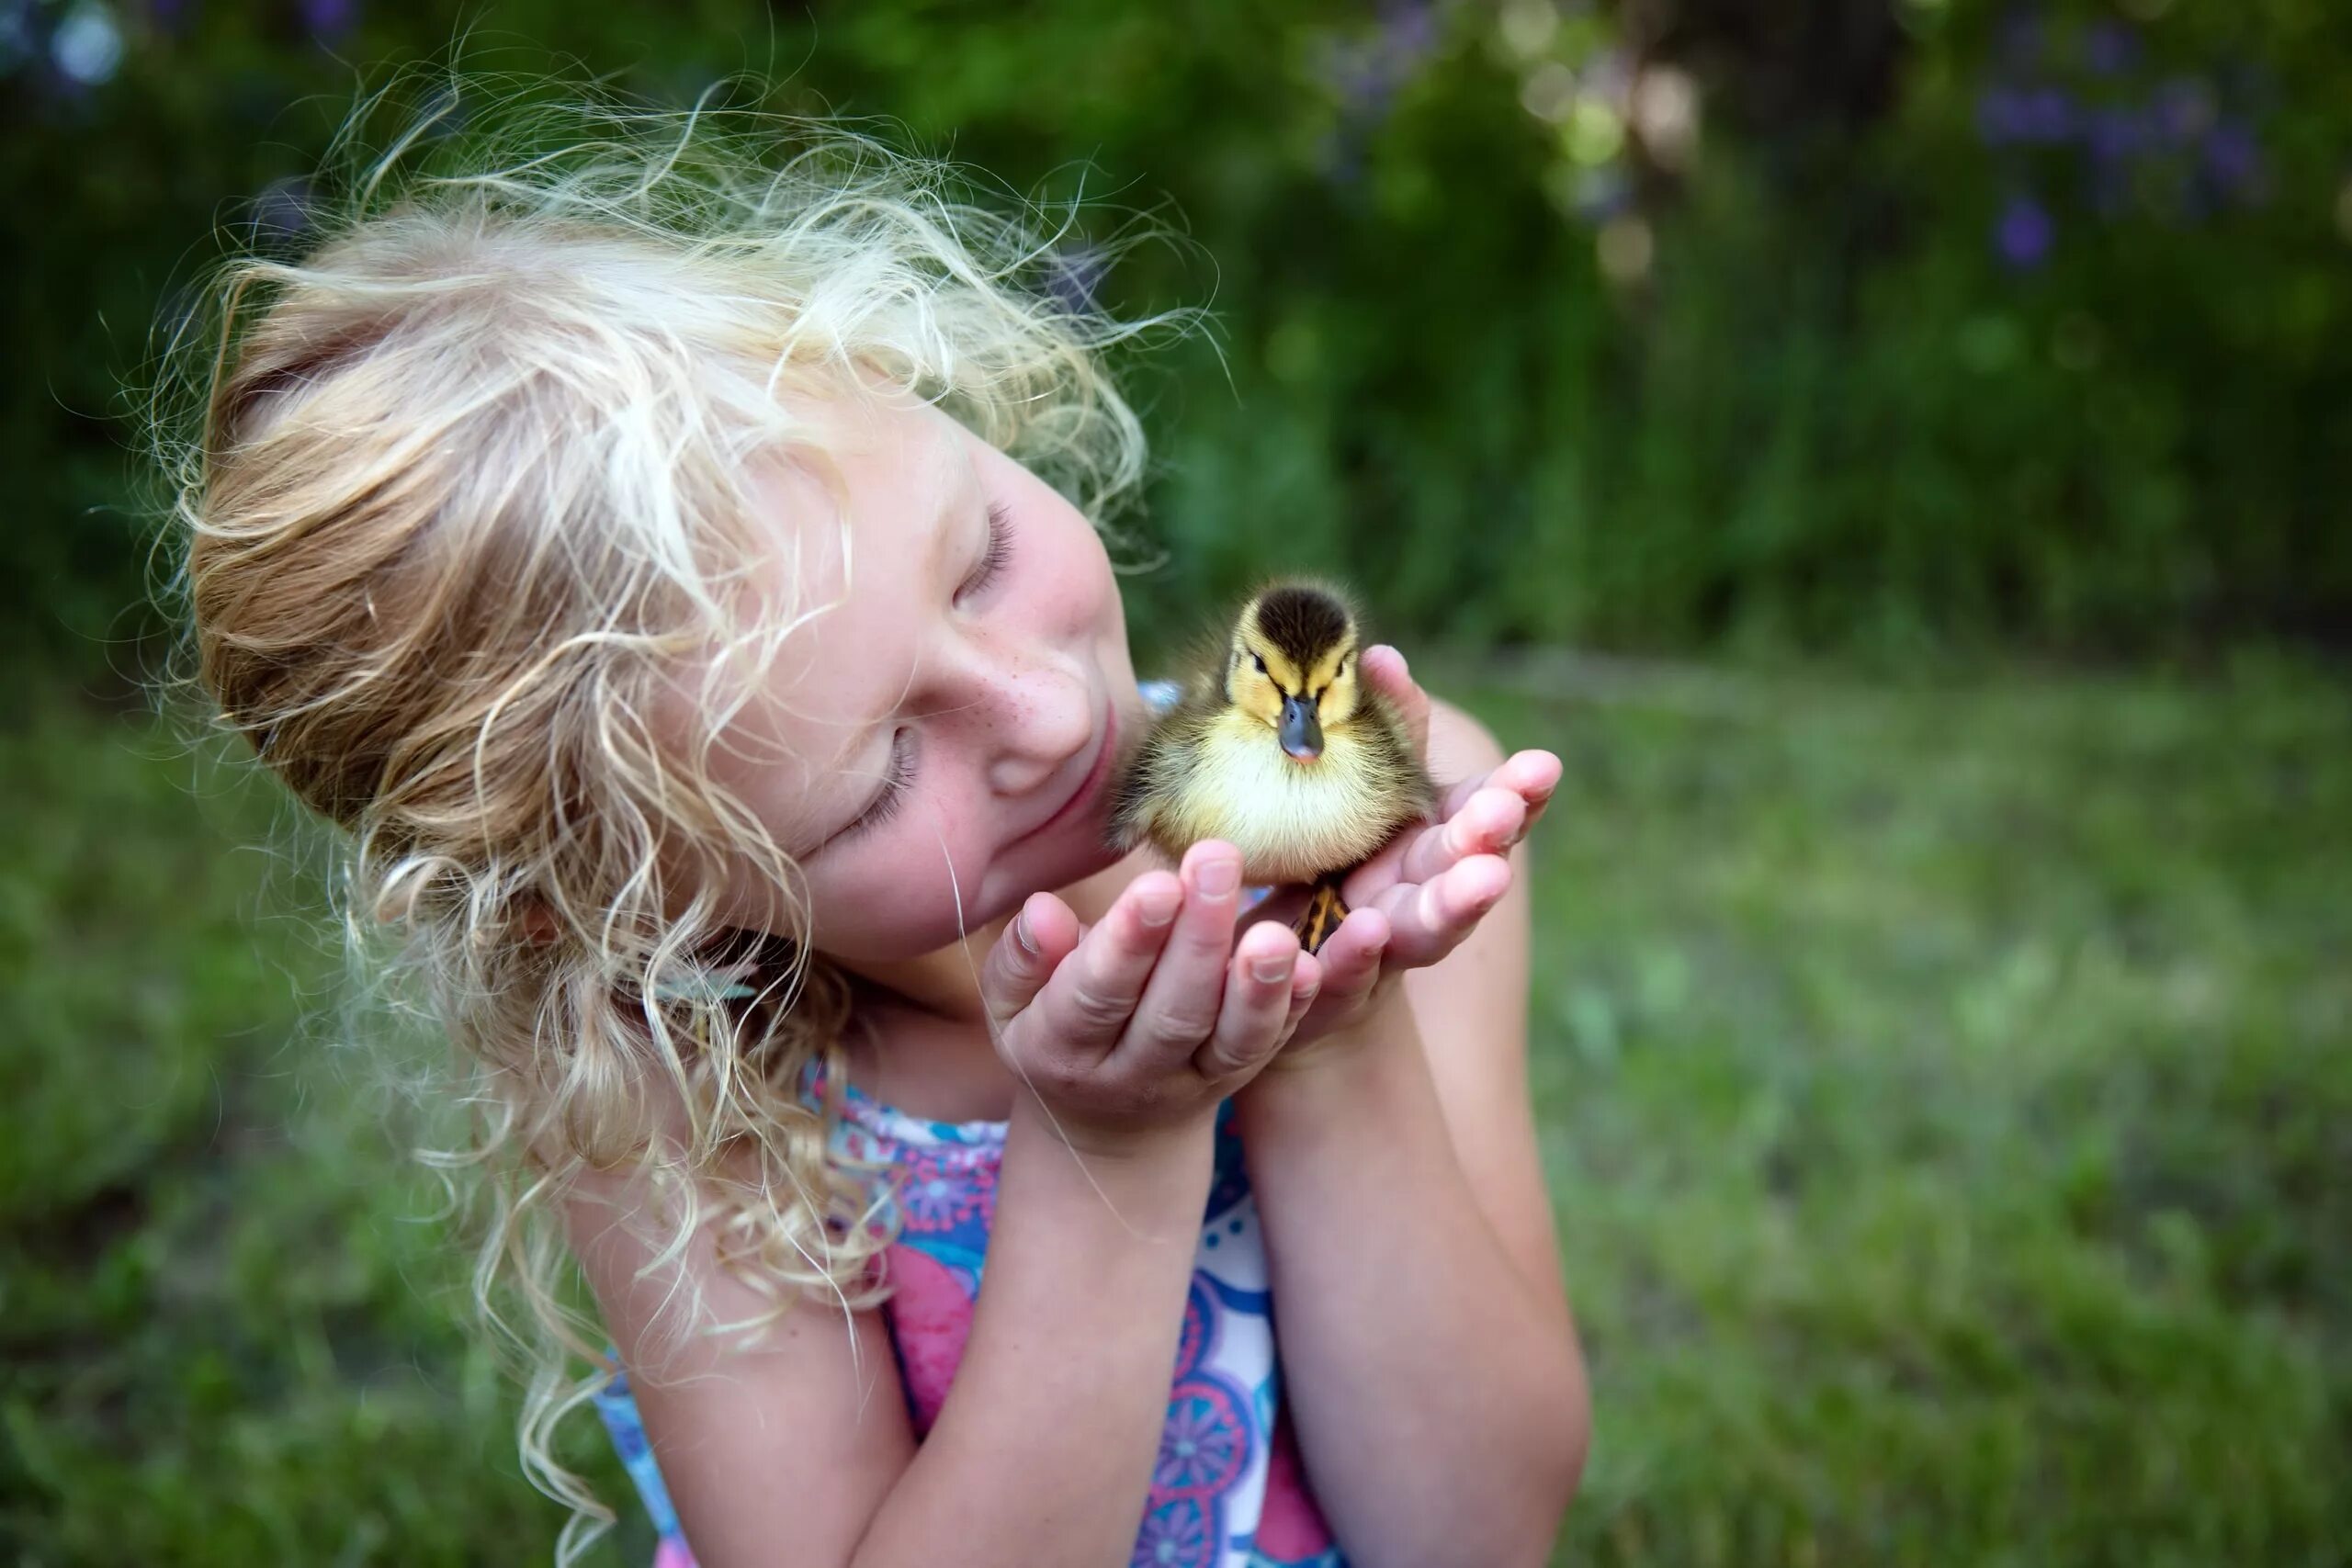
x=1042 y=1452
x=1441 y=1402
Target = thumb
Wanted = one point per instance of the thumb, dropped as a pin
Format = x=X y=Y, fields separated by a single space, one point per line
x=1385 y=668
x=1034 y=944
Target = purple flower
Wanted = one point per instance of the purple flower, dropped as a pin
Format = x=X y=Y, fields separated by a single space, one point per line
x=1603 y=192
x=2008 y=114
x=2050 y=115
x=1365 y=73
x=1176 y=1535
x=2110 y=49
x=2112 y=135
x=1203 y=1445
x=17 y=37
x=2002 y=115
x=1407 y=31
x=283 y=206
x=2182 y=108
x=2233 y=159
x=2024 y=233
x=1072 y=277
x=330 y=21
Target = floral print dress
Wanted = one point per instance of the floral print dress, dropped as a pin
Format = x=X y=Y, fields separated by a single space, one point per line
x=1227 y=1491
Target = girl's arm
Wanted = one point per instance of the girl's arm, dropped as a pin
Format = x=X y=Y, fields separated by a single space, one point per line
x=1425 y=1336
x=799 y=1455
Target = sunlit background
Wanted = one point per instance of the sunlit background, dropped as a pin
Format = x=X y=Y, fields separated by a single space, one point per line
x=1896 y=450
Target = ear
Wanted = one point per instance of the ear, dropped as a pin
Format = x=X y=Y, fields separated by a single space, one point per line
x=535 y=920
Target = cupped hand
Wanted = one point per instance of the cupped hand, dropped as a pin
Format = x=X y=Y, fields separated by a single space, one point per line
x=1426 y=891
x=1143 y=1022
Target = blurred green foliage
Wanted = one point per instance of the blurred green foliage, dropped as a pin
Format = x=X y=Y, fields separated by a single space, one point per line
x=1841 y=353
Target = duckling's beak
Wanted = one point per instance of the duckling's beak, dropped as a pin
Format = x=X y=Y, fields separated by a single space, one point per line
x=1301 y=731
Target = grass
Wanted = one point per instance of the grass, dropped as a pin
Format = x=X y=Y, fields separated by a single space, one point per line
x=1944 y=1087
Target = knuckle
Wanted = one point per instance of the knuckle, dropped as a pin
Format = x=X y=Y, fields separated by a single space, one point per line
x=1226 y=1057
x=1188 y=1021
x=1216 y=1060
x=1092 y=1008
x=1066 y=1078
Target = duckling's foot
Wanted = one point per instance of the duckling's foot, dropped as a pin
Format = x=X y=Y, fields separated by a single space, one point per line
x=1325 y=910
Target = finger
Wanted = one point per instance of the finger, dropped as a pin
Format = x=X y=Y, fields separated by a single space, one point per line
x=1531 y=775
x=1181 y=1005
x=1393 y=678
x=1351 y=959
x=1033 y=943
x=1090 y=1000
x=1431 y=918
x=1489 y=823
x=1305 y=985
x=1257 y=1000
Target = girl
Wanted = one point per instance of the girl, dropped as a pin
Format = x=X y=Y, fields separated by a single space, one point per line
x=680 y=575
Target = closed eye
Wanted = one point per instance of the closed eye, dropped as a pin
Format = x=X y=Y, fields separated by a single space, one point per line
x=893 y=793
x=992 y=558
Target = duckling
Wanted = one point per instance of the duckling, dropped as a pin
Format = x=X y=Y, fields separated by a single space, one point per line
x=1278 y=748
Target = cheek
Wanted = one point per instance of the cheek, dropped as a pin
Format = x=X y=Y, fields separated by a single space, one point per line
x=883 y=920
x=919 y=892
x=1073 y=585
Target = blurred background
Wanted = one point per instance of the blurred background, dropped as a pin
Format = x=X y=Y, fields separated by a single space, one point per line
x=1896 y=450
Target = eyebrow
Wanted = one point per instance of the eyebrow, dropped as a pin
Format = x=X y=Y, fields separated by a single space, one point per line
x=864 y=741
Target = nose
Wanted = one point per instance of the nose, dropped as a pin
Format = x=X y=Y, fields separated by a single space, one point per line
x=1034 y=708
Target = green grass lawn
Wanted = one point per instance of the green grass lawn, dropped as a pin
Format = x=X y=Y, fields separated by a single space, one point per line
x=1944 y=1087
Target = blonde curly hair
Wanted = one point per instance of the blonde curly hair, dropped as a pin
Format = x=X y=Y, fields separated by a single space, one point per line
x=454 y=495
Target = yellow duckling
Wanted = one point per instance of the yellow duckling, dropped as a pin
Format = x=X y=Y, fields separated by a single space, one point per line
x=1278 y=748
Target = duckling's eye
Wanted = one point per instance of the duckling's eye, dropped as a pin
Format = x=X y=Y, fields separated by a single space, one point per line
x=1259 y=660
x=999 y=548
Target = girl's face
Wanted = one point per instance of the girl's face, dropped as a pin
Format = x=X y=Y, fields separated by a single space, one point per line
x=939 y=744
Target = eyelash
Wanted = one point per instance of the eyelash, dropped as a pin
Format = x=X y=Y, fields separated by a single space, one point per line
x=992 y=562
x=893 y=791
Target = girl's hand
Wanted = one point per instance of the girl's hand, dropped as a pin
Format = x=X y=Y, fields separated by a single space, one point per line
x=1143 y=1023
x=1417 y=899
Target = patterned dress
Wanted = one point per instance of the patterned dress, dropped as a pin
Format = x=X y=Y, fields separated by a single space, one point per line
x=1227 y=1491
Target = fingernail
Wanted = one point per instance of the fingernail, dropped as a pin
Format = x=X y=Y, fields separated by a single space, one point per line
x=1158 y=907
x=1021 y=934
x=1273 y=969
x=1218 y=877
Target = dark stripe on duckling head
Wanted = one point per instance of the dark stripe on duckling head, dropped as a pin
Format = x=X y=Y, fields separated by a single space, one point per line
x=1305 y=624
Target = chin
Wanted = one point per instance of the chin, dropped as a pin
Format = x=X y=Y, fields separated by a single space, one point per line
x=1076 y=852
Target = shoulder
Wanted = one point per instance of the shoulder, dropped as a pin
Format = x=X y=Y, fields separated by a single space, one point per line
x=738 y=1477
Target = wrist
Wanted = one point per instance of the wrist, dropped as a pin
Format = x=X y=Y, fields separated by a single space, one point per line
x=1153 y=1149
x=1370 y=1067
